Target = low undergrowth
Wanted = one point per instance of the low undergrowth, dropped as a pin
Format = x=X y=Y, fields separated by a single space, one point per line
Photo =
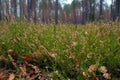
x=37 y=51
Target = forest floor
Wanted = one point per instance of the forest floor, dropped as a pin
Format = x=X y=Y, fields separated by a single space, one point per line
x=62 y=52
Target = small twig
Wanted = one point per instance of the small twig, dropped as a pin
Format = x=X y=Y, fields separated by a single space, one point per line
x=12 y=60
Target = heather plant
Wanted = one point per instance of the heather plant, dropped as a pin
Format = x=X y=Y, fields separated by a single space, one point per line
x=89 y=51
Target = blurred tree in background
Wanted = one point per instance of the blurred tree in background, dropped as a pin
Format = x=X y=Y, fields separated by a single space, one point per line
x=59 y=11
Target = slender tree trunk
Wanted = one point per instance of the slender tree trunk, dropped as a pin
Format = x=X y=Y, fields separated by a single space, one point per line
x=112 y=10
x=49 y=10
x=56 y=12
x=7 y=7
x=91 y=10
x=43 y=11
x=0 y=10
x=15 y=7
x=28 y=10
x=39 y=13
x=12 y=7
x=101 y=9
x=84 y=12
x=23 y=10
x=118 y=9
x=33 y=10
x=74 y=13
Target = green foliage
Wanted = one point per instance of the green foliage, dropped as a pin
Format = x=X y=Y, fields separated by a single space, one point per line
x=68 y=52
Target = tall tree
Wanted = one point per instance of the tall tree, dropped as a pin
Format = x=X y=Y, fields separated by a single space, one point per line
x=23 y=9
x=33 y=10
x=101 y=9
x=91 y=10
x=43 y=11
x=7 y=7
x=0 y=10
x=84 y=12
x=118 y=9
x=112 y=10
x=28 y=9
x=56 y=12
x=74 y=12
x=12 y=7
x=15 y=7
x=49 y=7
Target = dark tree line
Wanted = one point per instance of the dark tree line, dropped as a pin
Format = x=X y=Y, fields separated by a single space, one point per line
x=47 y=11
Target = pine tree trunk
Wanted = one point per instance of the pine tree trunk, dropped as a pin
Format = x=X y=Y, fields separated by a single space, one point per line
x=118 y=9
x=23 y=9
x=84 y=12
x=56 y=12
x=0 y=10
x=91 y=10
x=49 y=10
x=15 y=7
x=7 y=7
x=101 y=9
x=74 y=13
x=112 y=10
x=12 y=7
x=28 y=10
x=43 y=11
x=33 y=10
